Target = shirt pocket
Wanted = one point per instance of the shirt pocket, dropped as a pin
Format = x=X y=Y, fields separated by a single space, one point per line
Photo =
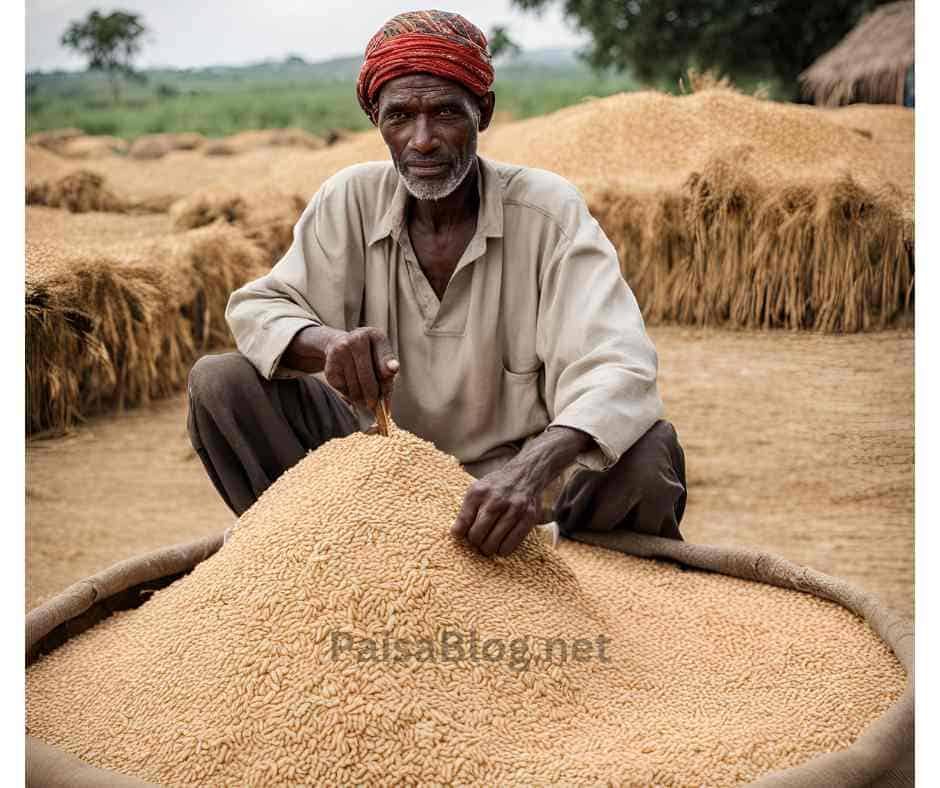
x=522 y=403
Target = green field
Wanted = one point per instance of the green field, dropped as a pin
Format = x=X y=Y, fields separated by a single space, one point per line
x=315 y=96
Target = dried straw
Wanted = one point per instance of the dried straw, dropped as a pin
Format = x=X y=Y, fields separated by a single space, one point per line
x=267 y=217
x=730 y=210
x=119 y=307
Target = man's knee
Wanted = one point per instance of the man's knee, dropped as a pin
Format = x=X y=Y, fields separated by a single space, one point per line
x=213 y=379
x=658 y=470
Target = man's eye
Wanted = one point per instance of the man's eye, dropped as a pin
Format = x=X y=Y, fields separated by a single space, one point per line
x=445 y=111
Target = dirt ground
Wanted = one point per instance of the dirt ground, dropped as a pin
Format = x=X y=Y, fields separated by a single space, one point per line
x=799 y=444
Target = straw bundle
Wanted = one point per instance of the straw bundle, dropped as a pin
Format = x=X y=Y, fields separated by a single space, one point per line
x=730 y=210
x=119 y=307
x=267 y=217
x=310 y=650
x=78 y=192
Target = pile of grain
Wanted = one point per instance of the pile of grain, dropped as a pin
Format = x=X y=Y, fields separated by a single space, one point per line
x=89 y=146
x=266 y=216
x=287 y=137
x=727 y=209
x=239 y=673
x=156 y=146
x=118 y=307
x=55 y=139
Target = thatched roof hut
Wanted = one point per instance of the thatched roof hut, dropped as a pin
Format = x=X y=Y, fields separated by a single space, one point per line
x=870 y=65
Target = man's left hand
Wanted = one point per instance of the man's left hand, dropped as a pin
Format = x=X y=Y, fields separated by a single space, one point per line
x=497 y=513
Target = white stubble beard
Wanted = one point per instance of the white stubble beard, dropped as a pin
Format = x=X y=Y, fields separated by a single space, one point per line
x=422 y=189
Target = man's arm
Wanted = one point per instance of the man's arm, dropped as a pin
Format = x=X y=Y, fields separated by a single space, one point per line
x=318 y=282
x=599 y=372
x=502 y=507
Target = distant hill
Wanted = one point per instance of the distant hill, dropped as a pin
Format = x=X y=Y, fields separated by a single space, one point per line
x=339 y=69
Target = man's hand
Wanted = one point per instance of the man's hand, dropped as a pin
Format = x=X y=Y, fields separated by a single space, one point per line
x=502 y=507
x=497 y=513
x=361 y=365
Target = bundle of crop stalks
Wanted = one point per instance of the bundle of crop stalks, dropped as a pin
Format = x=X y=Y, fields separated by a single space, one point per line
x=79 y=191
x=342 y=636
x=265 y=216
x=118 y=307
x=730 y=210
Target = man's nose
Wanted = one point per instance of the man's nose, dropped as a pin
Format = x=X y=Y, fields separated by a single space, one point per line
x=424 y=140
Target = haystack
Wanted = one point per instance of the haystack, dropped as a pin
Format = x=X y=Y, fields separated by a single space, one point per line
x=265 y=216
x=870 y=64
x=118 y=308
x=342 y=637
x=79 y=191
x=730 y=210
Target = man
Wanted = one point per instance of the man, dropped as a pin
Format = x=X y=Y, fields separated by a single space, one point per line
x=482 y=297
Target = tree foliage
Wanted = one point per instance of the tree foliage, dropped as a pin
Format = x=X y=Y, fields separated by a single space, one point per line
x=659 y=40
x=500 y=43
x=110 y=43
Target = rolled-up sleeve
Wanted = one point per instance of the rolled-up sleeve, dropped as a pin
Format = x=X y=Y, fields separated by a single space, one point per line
x=319 y=281
x=600 y=365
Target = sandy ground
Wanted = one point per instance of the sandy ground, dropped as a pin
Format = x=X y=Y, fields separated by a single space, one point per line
x=798 y=444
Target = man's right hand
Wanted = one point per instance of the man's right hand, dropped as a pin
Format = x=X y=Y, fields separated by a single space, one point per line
x=361 y=365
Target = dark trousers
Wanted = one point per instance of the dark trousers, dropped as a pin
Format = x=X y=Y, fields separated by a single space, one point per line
x=248 y=430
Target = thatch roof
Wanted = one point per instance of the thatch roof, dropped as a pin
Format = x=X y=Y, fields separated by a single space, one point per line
x=870 y=64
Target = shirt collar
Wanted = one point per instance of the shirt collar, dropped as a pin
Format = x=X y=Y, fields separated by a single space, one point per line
x=489 y=218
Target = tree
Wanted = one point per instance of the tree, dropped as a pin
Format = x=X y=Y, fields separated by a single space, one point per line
x=660 y=41
x=110 y=43
x=500 y=42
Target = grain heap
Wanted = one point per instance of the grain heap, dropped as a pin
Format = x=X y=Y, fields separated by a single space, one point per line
x=267 y=665
x=118 y=307
x=726 y=209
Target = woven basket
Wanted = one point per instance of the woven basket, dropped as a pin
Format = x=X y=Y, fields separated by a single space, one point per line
x=882 y=757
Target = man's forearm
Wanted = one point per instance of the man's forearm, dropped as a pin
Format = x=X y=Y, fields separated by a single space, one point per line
x=307 y=350
x=539 y=463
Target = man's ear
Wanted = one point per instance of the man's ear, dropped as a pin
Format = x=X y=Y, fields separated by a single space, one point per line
x=487 y=105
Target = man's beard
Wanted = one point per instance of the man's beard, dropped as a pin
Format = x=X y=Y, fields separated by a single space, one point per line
x=444 y=185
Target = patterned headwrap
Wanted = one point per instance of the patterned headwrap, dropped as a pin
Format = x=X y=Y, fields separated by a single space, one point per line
x=431 y=42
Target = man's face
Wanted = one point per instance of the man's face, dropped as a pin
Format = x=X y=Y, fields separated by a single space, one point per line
x=430 y=125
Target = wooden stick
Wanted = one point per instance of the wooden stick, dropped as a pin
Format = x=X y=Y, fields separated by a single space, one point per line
x=382 y=417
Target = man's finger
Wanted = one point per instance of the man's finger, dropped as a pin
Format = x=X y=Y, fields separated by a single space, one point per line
x=499 y=532
x=352 y=379
x=468 y=513
x=485 y=520
x=516 y=535
x=368 y=384
x=386 y=364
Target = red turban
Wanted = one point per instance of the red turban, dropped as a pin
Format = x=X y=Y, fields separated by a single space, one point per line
x=430 y=42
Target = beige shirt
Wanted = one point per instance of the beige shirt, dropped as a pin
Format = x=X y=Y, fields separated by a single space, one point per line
x=537 y=327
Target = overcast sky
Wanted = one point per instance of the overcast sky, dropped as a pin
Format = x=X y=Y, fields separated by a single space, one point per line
x=186 y=33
